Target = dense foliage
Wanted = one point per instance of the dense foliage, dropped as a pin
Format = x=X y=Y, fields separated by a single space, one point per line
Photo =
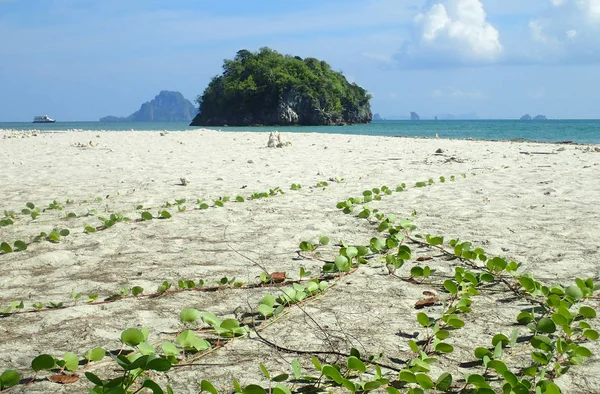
x=266 y=87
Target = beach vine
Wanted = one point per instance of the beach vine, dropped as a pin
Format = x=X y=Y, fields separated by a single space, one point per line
x=550 y=339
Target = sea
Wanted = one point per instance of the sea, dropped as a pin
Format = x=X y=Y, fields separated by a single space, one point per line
x=573 y=131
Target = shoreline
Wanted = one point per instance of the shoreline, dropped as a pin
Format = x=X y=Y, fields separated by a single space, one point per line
x=515 y=140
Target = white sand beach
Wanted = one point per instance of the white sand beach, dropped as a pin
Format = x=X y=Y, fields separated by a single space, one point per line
x=537 y=204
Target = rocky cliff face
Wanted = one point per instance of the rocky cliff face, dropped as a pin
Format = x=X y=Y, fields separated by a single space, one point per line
x=166 y=107
x=293 y=108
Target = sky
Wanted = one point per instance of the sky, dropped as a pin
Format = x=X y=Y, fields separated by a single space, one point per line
x=79 y=60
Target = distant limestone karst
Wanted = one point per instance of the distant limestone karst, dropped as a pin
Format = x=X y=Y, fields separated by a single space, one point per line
x=414 y=116
x=377 y=117
x=537 y=117
x=166 y=107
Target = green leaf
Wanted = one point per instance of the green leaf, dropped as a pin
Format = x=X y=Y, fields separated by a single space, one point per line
x=280 y=378
x=132 y=337
x=152 y=385
x=147 y=216
x=5 y=247
x=297 y=368
x=424 y=381
x=169 y=349
x=306 y=246
x=423 y=319
x=451 y=286
x=407 y=376
x=351 y=252
x=546 y=325
x=54 y=236
x=164 y=214
x=540 y=357
x=265 y=371
x=443 y=347
x=332 y=373
x=211 y=319
x=159 y=364
x=549 y=387
x=591 y=334
x=574 y=292
x=316 y=363
x=442 y=334
x=9 y=378
x=413 y=346
x=500 y=338
x=253 y=389
x=498 y=366
x=585 y=311
x=281 y=389
x=189 y=315
x=416 y=271
x=205 y=385
x=481 y=352
x=444 y=382
x=137 y=290
x=95 y=354
x=524 y=318
x=356 y=364
x=477 y=381
x=20 y=245
x=324 y=240
x=342 y=264
x=230 y=324
x=392 y=389
x=43 y=362
x=146 y=349
x=71 y=361
x=265 y=310
x=527 y=283
x=94 y=379
x=582 y=351
x=455 y=321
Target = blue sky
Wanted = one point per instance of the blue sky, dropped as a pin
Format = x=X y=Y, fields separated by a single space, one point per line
x=84 y=59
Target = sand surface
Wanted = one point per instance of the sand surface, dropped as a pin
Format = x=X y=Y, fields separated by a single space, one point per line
x=538 y=204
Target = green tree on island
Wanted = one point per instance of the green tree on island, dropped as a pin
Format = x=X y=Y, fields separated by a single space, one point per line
x=268 y=88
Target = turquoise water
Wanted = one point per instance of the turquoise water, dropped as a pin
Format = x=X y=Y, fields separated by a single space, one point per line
x=581 y=131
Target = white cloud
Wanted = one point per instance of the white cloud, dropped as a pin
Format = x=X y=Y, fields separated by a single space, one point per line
x=567 y=32
x=455 y=32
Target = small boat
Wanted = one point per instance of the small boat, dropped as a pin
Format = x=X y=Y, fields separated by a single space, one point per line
x=43 y=119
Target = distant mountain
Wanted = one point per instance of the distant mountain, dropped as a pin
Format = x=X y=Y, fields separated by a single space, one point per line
x=525 y=117
x=377 y=117
x=166 y=107
x=414 y=116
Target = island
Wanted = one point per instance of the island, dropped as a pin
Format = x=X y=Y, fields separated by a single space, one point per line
x=271 y=89
x=166 y=107
x=377 y=117
x=537 y=117
x=414 y=116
